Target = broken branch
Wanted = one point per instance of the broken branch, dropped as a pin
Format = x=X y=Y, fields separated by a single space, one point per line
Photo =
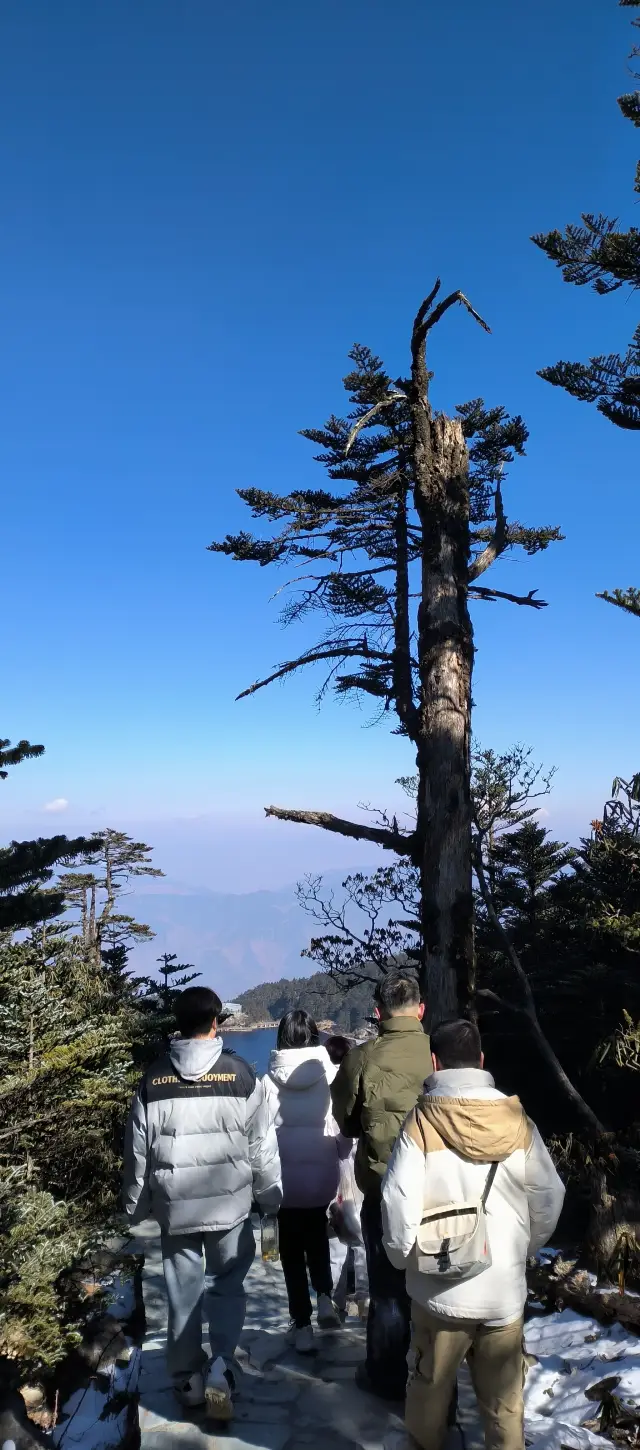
x=479 y=592
x=366 y=417
x=390 y=840
x=498 y=542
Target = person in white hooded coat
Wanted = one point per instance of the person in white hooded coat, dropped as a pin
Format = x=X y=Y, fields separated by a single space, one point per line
x=310 y=1145
x=464 y=1142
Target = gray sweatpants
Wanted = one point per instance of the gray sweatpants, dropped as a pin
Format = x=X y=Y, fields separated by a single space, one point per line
x=204 y=1274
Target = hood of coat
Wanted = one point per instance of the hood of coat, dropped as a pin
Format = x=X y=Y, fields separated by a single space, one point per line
x=193 y=1056
x=466 y=1110
x=300 y=1068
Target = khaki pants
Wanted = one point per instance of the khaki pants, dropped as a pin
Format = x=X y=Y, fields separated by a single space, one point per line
x=497 y=1369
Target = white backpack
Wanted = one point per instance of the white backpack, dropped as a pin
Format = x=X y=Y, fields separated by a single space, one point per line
x=452 y=1242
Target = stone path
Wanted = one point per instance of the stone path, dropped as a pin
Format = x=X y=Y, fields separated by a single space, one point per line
x=285 y=1400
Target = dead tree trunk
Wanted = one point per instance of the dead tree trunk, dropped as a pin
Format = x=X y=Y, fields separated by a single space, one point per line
x=445 y=658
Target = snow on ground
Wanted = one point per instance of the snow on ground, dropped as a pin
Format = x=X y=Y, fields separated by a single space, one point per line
x=574 y=1352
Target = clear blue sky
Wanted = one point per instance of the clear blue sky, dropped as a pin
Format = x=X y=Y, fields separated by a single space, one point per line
x=204 y=205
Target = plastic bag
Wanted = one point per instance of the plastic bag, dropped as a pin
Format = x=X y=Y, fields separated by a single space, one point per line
x=344 y=1212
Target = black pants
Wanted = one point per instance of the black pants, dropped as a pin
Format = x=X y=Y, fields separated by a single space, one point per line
x=304 y=1244
x=389 y=1322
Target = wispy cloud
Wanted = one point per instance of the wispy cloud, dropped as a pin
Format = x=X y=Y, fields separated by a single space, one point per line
x=55 y=808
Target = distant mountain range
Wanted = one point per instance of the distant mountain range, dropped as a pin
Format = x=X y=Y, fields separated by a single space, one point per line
x=236 y=941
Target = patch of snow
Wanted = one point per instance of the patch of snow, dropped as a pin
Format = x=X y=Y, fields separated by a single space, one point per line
x=81 y=1423
x=573 y=1353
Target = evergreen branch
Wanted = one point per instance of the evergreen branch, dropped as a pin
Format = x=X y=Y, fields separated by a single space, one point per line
x=367 y=417
x=390 y=840
x=334 y=652
x=31 y=1123
x=628 y=599
x=479 y=592
x=14 y=754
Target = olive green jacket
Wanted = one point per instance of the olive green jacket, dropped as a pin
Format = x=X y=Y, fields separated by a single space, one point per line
x=376 y=1086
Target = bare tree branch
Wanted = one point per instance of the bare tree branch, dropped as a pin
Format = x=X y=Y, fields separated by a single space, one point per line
x=367 y=417
x=423 y=324
x=480 y=592
x=390 y=840
x=497 y=544
x=501 y=1002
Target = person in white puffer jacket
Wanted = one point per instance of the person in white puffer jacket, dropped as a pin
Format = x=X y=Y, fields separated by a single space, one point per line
x=463 y=1140
x=310 y=1145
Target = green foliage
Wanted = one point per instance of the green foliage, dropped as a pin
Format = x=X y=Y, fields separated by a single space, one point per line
x=601 y=255
x=26 y=867
x=349 y=546
x=627 y=599
x=14 y=754
x=66 y=1075
x=74 y=1028
x=326 y=999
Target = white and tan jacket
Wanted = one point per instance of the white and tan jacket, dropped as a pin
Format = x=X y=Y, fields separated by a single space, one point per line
x=462 y=1125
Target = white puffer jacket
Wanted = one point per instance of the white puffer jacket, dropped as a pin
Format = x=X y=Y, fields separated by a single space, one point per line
x=460 y=1126
x=199 y=1143
x=299 y=1104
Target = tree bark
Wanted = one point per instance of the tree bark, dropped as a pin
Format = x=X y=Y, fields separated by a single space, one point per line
x=445 y=656
x=563 y=1286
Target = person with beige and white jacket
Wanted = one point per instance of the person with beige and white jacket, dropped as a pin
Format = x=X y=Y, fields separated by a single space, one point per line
x=461 y=1126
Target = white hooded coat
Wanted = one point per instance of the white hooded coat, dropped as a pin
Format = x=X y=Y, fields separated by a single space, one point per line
x=460 y=1126
x=199 y=1143
x=299 y=1104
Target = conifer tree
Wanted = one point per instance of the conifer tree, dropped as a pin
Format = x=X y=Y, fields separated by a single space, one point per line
x=26 y=867
x=600 y=254
x=389 y=556
x=171 y=982
x=96 y=894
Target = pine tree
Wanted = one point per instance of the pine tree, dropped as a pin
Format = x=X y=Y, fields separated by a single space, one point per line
x=26 y=867
x=171 y=982
x=67 y=1074
x=389 y=556
x=600 y=255
x=96 y=895
x=68 y=1027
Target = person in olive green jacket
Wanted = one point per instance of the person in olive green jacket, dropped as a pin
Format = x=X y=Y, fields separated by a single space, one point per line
x=377 y=1085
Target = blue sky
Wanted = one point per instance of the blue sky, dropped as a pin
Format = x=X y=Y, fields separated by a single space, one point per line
x=204 y=206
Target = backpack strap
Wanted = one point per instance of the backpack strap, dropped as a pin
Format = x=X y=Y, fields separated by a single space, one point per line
x=489 y=1183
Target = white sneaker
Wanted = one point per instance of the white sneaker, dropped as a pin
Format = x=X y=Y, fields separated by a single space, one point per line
x=328 y=1316
x=190 y=1392
x=218 y=1390
x=300 y=1339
